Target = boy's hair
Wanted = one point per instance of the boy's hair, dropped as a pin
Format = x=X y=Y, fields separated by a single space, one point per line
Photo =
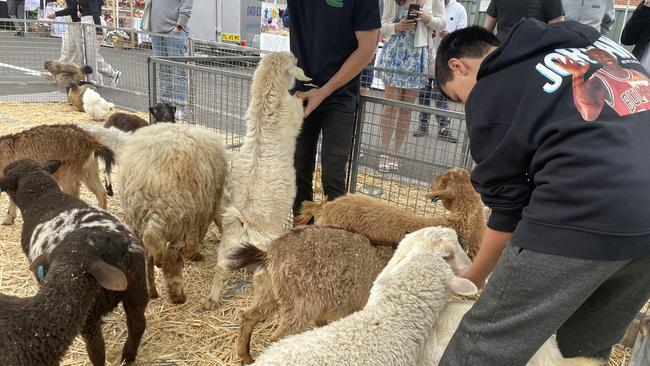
x=471 y=42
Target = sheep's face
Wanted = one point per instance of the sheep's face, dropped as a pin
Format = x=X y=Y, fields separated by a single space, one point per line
x=28 y=177
x=102 y=255
x=452 y=185
x=419 y=271
x=163 y=112
x=440 y=240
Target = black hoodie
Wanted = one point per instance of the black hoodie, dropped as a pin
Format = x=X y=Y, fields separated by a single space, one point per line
x=566 y=181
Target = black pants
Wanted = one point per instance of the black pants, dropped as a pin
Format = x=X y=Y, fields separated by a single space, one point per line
x=337 y=128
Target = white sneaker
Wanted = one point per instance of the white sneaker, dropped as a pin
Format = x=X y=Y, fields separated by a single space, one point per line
x=116 y=78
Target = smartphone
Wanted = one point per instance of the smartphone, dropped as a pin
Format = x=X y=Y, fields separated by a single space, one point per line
x=413 y=11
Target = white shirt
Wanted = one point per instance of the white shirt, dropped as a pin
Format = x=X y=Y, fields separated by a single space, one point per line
x=455 y=18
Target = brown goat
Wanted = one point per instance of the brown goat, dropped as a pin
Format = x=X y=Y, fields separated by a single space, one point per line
x=67 y=143
x=75 y=96
x=385 y=224
x=312 y=274
x=66 y=75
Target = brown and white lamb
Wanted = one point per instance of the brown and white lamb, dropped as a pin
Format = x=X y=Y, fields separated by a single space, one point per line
x=385 y=224
x=67 y=143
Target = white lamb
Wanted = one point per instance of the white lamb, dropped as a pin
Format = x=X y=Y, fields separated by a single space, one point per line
x=171 y=180
x=391 y=329
x=548 y=355
x=96 y=106
x=262 y=183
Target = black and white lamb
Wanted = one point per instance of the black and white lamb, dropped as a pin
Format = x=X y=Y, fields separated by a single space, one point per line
x=58 y=229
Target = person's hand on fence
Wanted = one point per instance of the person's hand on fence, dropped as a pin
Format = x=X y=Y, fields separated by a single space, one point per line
x=177 y=28
x=405 y=25
x=51 y=16
x=314 y=98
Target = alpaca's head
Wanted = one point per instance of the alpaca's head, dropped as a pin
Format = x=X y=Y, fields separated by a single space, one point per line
x=452 y=187
x=421 y=273
x=277 y=71
x=440 y=240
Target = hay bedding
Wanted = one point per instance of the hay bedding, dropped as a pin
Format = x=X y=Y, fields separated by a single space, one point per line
x=176 y=335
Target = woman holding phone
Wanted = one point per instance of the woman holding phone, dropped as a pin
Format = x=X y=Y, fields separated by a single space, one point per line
x=407 y=26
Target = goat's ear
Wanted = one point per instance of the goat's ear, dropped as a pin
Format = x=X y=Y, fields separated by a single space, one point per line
x=462 y=286
x=108 y=276
x=52 y=166
x=297 y=73
x=40 y=260
x=435 y=195
x=39 y=267
x=8 y=183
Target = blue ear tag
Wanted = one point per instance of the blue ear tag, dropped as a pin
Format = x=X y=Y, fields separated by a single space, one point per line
x=40 y=273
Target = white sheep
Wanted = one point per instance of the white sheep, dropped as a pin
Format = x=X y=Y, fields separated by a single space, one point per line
x=449 y=319
x=404 y=302
x=262 y=183
x=171 y=181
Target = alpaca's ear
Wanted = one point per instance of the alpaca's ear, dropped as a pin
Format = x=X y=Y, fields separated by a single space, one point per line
x=462 y=286
x=8 y=183
x=52 y=166
x=297 y=73
x=108 y=276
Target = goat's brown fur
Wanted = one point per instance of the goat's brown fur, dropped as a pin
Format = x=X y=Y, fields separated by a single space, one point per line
x=125 y=122
x=66 y=75
x=301 y=282
x=67 y=143
x=385 y=224
x=75 y=96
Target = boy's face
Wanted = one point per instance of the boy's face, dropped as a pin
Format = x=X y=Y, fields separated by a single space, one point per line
x=464 y=72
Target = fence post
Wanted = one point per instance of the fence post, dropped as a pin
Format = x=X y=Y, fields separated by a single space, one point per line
x=356 y=146
x=153 y=96
x=190 y=108
x=83 y=43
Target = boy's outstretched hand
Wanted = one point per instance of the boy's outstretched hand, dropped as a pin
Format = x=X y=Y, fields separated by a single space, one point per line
x=488 y=255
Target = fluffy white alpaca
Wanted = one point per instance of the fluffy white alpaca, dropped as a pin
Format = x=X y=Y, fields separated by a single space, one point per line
x=448 y=320
x=262 y=183
x=112 y=137
x=96 y=106
x=403 y=305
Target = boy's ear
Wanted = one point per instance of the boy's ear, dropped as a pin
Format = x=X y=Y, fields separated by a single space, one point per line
x=457 y=66
x=52 y=166
x=8 y=183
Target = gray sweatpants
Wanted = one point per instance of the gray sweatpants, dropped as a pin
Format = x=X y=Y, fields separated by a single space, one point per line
x=530 y=295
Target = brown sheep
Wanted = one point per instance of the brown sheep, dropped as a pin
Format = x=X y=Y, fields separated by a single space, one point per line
x=385 y=224
x=125 y=122
x=313 y=274
x=67 y=143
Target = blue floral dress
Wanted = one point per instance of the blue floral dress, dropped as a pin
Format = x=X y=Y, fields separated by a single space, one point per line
x=399 y=53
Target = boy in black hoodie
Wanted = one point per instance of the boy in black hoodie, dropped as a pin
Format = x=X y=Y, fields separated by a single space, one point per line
x=559 y=126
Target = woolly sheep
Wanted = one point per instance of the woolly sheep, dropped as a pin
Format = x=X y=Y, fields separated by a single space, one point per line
x=385 y=224
x=320 y=274
x=67 y=143
x=262 y=183
x=58 y=227
x=449 y=319
x=404 y=302
x=171 y=184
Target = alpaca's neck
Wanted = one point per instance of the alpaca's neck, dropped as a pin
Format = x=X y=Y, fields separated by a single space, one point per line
x=57 y=313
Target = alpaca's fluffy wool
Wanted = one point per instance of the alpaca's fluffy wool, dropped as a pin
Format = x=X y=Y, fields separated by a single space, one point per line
x=262 y=184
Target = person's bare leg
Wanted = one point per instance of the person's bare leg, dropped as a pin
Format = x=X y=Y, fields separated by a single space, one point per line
x=388 y=117
x=404 y=118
